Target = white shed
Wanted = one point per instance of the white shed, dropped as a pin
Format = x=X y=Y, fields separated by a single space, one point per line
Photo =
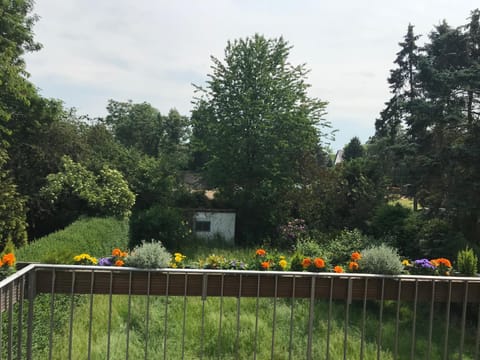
x=208 y=223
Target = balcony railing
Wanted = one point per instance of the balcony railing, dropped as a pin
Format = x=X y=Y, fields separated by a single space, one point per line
x=81 y=312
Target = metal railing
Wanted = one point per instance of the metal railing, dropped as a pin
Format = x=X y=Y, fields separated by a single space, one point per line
x=82 y=312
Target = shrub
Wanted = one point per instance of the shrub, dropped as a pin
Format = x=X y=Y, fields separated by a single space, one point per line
x=467 y=262
x=339 y=249
x=381 y=259
x=437 y=237
x=149 y=255
x=164 y=224
x=310 y=248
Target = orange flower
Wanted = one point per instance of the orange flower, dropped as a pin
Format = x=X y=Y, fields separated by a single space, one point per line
x=119 y=263
x=356 y=256
x=353 y=266
x=265 y=265
x=338 y=269
x=9 y=259
x=123 y=254
x=441 y=261
x=116 y=252
x=1 y=263
x=319 y=263
x=261 y=252
x=306 y=262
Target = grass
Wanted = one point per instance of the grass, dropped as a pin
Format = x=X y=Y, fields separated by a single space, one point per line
x=212 y=329
x=95 y=236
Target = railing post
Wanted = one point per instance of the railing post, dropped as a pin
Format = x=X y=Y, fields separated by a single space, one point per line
x=31 y=294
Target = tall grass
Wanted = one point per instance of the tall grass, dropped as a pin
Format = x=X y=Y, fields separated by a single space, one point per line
x=95 y=236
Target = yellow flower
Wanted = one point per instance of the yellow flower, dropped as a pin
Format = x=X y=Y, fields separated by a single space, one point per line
x=179 y=257
x=406 y=263
x=283 y=263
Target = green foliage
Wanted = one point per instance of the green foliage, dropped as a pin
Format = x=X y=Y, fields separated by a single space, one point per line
x=96 y=236
x=311 y=248
x=380 y=259
x=339 y=249
x=353 y=149
x=149 y=255
x=106 y=194
x=12 y=213
x=256 y=110
x=438 y=238
x=467 y=262
x=160 y=223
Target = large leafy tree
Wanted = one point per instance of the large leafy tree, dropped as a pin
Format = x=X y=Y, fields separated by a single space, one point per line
x=258 y=129
x=16 y=38
x=438 y=116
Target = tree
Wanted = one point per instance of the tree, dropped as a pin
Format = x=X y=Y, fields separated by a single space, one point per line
x=104 y=194
x=353 y=149
x=16 y=38
x=258 y=128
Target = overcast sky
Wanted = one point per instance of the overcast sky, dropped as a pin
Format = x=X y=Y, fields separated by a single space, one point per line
x=153 y=50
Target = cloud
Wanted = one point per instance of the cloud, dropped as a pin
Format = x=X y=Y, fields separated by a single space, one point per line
x=153 y=50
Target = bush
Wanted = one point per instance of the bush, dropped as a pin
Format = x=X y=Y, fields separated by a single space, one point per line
x=467 y=262
x=381 y=259
x=339 y=249
x=164 y=224
x=308 y=247
x=437 y=238
x=149 y=255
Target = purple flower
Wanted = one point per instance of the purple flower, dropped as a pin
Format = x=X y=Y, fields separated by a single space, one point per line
x=424 y=263
x=106 y=261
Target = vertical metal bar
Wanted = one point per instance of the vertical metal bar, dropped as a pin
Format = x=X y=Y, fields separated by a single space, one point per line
x=204 y=298
x=292 y=306
x=477 y=340
x=274 y=319
x=464 y=320
x=397 y=321
x=90 y=315
x=220 y=317
x=364 y=322
x=430 y=325
x=109 y=324
x=147 y=314
x=52 y=303
x=347 y=317
x=256 y=319
x=21 y=297
x=329 y=320
x=10 y=321
x=72 y=306
x=184 y=315
x=31 y=299
x=447 y=321
x=165 y=327
x=129 y=313
x=1 y=320
x=237 y=340
x=310 y=318
x=414 y=321
x=380 y=321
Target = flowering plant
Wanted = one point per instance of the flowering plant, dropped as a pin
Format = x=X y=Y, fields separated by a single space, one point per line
x=422 y=267
x=7 y=265
x=116 y=259
x=85 y=259
x=353 y=264
x=314 y=265
x=442 y=266
x=178 y=261
x=338 y=269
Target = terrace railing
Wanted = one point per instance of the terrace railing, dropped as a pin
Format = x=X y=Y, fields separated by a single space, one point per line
x=82 y=312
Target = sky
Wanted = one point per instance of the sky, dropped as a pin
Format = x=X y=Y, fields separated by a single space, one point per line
x=154 y=50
